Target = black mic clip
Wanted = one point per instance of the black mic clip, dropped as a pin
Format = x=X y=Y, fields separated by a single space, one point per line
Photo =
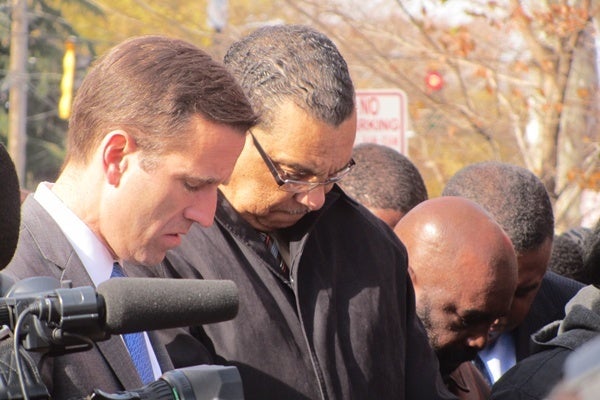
x=10 y=387
x=59 y=319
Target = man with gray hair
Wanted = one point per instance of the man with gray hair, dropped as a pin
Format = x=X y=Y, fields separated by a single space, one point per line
x=327 y=309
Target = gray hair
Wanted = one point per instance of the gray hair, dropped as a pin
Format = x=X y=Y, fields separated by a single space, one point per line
x=275 y=64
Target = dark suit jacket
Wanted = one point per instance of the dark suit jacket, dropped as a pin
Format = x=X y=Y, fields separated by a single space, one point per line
x=548 y=306
x=43 y=250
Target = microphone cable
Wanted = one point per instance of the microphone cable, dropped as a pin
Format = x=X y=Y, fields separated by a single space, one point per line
x=16 y=343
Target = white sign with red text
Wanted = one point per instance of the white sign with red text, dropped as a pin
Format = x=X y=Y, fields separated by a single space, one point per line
x=382 y=118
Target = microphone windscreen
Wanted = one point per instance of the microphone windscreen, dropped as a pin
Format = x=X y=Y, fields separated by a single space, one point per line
x=144 y=304
x=10 y=208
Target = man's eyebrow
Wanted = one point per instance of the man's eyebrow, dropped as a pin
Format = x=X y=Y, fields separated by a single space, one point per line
x=204 y=180
x=297 y=168
x=303 y=170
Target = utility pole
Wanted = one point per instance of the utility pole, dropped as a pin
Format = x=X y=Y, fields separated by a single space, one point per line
x=18 y=80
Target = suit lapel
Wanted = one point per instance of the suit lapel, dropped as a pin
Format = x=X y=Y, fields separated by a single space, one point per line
x=54 y=246
x=164 y=361
x=113 y=350
x=116 y=355
x=48 y=237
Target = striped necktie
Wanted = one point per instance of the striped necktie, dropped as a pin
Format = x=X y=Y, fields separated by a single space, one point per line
x=135 y=342
x=271 y=245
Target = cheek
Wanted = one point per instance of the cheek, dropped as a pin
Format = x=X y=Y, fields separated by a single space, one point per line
x=519 y=309
x=436 y=326
x=448 y=338
x=267 y=201
x=148 y=207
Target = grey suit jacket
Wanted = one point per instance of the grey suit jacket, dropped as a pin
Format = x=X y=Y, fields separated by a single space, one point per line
x=43 y=250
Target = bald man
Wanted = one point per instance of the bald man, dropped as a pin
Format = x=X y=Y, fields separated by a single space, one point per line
x=464 y=271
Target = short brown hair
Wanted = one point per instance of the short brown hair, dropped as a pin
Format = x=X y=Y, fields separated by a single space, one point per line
x=153 y=86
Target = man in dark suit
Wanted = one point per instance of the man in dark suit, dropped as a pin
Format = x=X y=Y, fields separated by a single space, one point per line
x=521 y=205
x=156 y=126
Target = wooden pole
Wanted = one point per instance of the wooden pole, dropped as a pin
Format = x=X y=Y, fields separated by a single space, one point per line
x=18 y=82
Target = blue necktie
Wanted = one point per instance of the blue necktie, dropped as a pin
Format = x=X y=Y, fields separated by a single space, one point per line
x=135 y=342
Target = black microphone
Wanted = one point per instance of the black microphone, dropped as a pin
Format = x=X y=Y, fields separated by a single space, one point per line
x=143 y=304
x=119 y=305
x=10 y=208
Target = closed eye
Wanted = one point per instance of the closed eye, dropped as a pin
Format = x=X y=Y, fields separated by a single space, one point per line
x=192 y=187
x=195 y=185
x=294 y=173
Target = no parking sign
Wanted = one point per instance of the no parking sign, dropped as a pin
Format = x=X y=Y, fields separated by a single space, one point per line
x=382 y=118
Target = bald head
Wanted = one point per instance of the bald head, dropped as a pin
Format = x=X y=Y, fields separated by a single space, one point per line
x=464 y=270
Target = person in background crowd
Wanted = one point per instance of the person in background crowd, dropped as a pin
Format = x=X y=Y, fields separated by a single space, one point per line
x=384 y=181
x=591 y=254
x=327 y=307
x=464 y=271
x=567 y=255
x=581 y=374
x=156 y=126
x=568 y=350
x=518 y=200
x=534 y=377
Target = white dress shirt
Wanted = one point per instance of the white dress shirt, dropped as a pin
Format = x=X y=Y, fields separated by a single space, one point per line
x=96 y=258
x=499 y=356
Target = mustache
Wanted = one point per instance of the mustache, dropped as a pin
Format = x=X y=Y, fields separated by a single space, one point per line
x=299 y=211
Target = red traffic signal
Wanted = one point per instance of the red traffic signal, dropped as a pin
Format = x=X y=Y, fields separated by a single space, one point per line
x=434 y=81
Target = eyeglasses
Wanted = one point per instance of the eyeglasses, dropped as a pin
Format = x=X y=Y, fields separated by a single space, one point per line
x=294 y=185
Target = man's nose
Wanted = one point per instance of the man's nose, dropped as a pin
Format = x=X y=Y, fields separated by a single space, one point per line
x=203 y=208
x=313 y=199
x=477 y=341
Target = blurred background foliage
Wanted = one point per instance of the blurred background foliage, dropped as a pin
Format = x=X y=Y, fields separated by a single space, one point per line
x=520 y=77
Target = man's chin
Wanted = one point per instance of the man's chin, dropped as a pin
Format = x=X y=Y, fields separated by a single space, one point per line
x=280 y=221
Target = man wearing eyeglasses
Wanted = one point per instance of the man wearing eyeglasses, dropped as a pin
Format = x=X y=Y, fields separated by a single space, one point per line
x=327 y=309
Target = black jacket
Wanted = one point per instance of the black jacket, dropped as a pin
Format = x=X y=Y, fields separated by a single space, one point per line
x=345 y=328
x=547 y=307
x=535 y=376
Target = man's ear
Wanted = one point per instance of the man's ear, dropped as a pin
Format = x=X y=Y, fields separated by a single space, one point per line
x=116 y=146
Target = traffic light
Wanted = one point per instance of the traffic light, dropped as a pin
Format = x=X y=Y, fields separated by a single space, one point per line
x=434 y=81
x=66 y=83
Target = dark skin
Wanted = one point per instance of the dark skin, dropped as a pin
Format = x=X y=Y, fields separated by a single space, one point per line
x=464 y=270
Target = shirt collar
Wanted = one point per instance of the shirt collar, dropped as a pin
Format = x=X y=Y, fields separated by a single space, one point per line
x=95 y=257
